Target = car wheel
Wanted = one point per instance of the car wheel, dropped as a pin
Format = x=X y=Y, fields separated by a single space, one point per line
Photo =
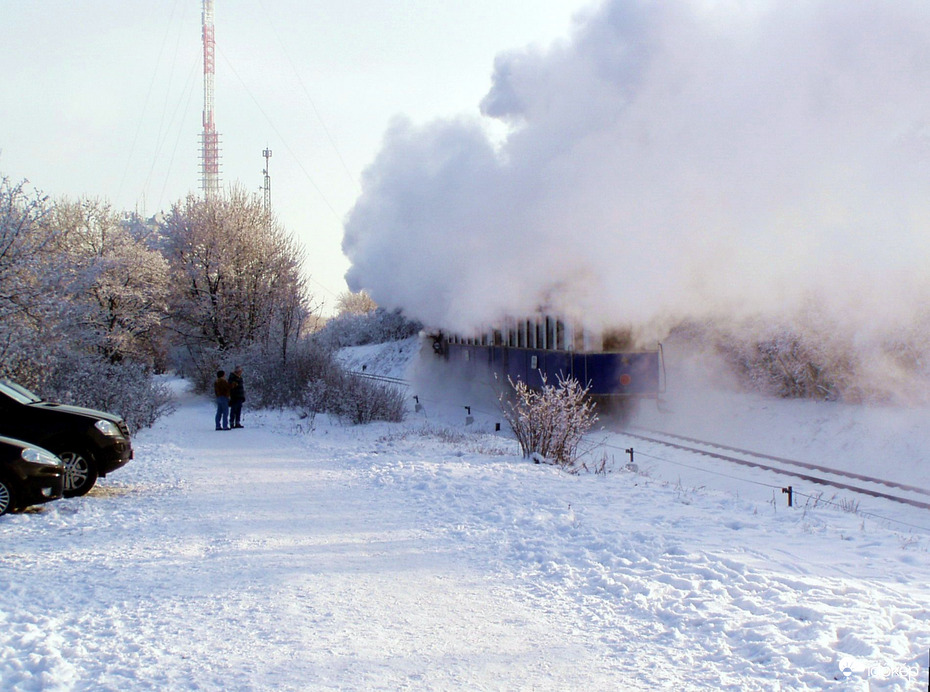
x=80 y=473
x=7 y=498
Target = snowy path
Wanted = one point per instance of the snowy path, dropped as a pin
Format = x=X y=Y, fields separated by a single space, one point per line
x=392 y=557
x=262 y=562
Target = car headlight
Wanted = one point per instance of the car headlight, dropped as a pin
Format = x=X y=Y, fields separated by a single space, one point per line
x=108 y=428
x=40 y=456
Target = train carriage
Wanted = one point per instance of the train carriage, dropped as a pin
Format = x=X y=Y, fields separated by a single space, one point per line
x=546 y=348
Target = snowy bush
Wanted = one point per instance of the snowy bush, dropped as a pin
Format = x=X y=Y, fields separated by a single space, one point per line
x=126 y=389
x=355 y=303
x=313 y=381
x=814 y=357
x=272 y=382
x=312 y=401
x=376 y=327
x=788 y=361
x=359 y=400
x=115 y=285
x=550 y=422
x=788 y=365
x=235 y=272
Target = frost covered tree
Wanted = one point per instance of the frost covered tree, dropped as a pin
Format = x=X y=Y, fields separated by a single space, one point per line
x=236 y=276
x=375 y=327
x=24 y=243
x=75 y=301
x=118 y=285
x=355 y=303
x=28 y=269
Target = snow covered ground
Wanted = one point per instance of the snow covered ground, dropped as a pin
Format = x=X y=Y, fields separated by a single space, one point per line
x=306 y=555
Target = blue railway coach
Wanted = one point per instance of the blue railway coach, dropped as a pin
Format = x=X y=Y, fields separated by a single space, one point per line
x=545 y=348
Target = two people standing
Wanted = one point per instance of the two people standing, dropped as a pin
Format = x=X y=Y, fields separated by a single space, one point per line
x=230 y=395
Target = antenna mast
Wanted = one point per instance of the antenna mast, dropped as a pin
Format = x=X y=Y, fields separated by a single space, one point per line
x=267 y=155
x=209 y=140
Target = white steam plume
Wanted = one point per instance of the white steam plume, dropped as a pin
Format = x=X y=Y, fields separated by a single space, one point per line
x=672 y=159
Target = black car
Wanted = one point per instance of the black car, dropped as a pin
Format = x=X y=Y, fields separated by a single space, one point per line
x=90 y=443
x=29 y=475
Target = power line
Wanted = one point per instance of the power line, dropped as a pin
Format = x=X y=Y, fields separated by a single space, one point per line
x=282 y=138
x=148 y=95
x=303 y=86
x=188 y=88
x=293 y=154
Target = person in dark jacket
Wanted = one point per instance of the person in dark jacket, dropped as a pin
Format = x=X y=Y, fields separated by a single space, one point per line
x=221 y=389
x=236 y=398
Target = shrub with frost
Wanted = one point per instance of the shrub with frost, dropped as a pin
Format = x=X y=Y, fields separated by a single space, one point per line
x=358 y=400
x=274 y=382
x=375 y=327
x=126 y=389
x=549 y=422
x=313 y=381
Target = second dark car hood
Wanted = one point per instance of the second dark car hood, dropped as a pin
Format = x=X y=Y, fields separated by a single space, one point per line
x=79 y=410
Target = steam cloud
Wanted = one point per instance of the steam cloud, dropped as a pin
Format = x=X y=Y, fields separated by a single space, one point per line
x=670 y=160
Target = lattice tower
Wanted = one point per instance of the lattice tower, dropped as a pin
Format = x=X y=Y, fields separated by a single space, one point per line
x=210 y=139
x=267 y=188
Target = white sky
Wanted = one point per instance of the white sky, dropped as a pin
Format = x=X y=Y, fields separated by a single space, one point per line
x=104 y=98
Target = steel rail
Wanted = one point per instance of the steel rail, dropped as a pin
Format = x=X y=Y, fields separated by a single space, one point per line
x=795 y=474
x=380 y=378
x=794 y=462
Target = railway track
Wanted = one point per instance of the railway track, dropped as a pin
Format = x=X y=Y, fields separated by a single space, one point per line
x=379 y=378
x=813 y=473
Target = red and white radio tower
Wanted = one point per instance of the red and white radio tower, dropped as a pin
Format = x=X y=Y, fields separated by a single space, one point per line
x=209 y=140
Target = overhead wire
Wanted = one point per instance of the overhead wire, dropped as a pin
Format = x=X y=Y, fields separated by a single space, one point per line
x=325 y=288
x=162 y=128
x=280 y=136
x=306 y=91
x=148 y=95
x=316 y=111
x=188 y=88
x=287 y=146
x=165 y=129
x=185 y=100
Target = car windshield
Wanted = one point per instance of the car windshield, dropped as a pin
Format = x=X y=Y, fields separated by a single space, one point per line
x=18 y=393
